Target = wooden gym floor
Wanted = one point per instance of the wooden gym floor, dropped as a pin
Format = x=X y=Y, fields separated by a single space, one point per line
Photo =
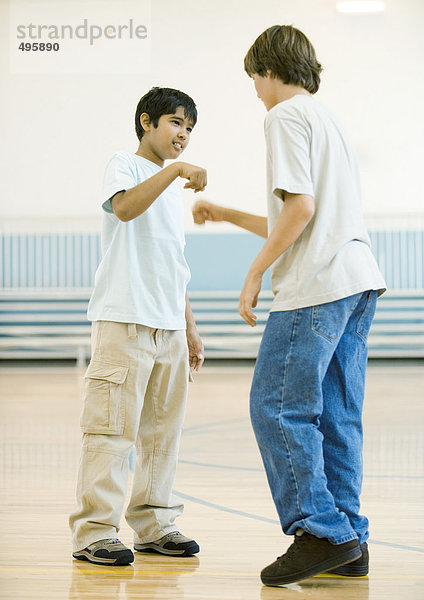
x=228 y=508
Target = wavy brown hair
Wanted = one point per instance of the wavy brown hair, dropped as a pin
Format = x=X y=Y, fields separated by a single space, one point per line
x=288 y=54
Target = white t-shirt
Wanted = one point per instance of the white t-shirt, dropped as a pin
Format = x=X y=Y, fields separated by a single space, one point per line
x=308 y=153
x=143 y=275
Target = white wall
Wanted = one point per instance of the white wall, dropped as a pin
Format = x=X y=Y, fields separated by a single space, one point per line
x=58 y=131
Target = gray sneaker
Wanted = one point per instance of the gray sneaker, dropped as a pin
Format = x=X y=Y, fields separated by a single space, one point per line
x=106 y=552
x=172 y=544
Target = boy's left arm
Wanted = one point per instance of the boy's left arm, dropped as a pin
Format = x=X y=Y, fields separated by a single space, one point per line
x=297 y=211
x=194 y=341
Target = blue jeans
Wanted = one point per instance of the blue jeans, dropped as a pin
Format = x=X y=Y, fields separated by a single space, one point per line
x=306 y=409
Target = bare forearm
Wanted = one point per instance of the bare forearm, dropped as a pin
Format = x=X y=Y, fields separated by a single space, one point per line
x=196 y=350
x=252 y=223
x=189 y=317
x=133 y=202
x=294 y=217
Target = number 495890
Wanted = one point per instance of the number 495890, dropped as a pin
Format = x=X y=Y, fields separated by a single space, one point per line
x=39 y=47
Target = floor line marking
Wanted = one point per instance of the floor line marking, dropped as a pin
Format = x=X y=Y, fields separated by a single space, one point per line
x=196 y=428
x=133 y=573
x=213 y=466
x=275 y=522
x=261 y=470
x=225 y=509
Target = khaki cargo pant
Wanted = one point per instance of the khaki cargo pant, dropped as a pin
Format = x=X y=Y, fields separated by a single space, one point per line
x=135 y=393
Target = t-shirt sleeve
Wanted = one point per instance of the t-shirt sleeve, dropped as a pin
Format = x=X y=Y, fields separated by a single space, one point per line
x=289 y=149
x=119 y=176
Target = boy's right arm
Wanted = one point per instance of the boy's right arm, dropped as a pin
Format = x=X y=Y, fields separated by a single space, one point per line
x=207 y=211
x=129 y=204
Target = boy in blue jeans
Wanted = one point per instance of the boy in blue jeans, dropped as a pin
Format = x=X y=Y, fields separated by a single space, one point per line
x=144 y=342
x=308 y=386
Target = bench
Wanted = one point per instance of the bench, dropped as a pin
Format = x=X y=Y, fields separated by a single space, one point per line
x=44 y=324
x=52 y=324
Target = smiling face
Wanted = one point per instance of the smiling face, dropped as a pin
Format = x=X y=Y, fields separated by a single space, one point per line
x=168 y=139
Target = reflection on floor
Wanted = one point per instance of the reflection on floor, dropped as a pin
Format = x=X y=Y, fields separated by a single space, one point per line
x=228 y=508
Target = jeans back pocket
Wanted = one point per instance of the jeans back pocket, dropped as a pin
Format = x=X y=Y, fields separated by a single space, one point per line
x=328 y=321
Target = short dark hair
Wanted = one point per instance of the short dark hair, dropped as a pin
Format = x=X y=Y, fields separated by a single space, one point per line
x=163 y=101
x=288 y=54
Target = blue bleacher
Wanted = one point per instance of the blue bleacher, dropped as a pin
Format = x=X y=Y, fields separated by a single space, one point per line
x=46 y=283
x=53 y=324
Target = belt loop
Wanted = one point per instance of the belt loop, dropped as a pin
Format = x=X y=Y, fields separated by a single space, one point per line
x=132 y=331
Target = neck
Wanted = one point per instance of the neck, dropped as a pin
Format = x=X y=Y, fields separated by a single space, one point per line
x=284 y=91
x=148 y=153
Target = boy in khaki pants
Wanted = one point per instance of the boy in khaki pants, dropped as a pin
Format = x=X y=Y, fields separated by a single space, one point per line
x=144 y=343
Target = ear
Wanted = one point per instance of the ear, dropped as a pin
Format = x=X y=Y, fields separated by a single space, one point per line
x=145 y=121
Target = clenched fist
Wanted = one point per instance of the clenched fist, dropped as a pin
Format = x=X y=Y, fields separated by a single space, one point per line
x=197 y=178
x=207 y=211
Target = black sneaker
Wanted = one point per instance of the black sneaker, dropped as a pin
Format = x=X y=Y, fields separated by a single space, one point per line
x=172 y=544
x=109 y=552
x=357 y=568
x=308 y=556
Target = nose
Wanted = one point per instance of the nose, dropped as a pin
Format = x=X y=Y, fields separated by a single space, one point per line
x=182 y=134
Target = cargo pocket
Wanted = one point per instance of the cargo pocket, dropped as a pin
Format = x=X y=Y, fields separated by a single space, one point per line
x=103 y=405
